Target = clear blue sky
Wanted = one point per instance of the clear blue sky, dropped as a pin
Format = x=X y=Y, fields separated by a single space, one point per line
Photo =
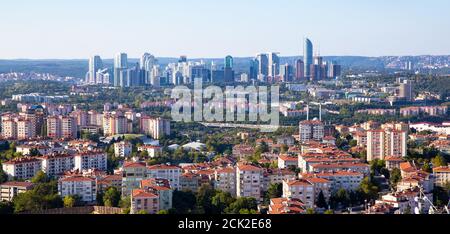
x=213 y=28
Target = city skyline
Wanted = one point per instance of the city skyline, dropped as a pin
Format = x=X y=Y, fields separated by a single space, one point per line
x=199 y=30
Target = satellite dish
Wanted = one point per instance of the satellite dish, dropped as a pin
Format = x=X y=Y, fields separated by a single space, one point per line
x=416 y=199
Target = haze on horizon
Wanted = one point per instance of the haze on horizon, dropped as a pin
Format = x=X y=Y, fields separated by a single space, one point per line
x=52 y=29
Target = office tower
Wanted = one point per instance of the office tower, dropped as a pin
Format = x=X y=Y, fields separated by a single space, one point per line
x=183 y=59
x=120 y=70
x=253 y=72
x=263 y=62
x=405 y=90
x=388 y=142
x=147 y=63
x=274 y=64
x=299 y=69
x=286 y=72
x=308 y=57
x=228 y=69
x=311 y=130
x=155 y=75
x=199 y=70
x=318 y=70
x=244 y=77
x=103 y=76
x=95 y=64
x=228 y=62
x=334 y=70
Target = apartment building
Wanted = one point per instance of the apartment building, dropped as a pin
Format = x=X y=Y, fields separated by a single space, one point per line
x=91 y=160
x=347 y=180
x=225 y=180
x=311 y=130
x=132 y=175
x=249 y=181
x=441 y=175
x=9 y=190
x=168 y=172
x=57 y=164
x=122 y=149
x=286 y=161
x=142 y=200
x=155 y=127
x=300 y=189
x=382 y=143
x=22 y=168
x=59 y=126
x=84 y=187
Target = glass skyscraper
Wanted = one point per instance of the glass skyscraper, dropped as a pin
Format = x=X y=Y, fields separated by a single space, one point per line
x=308 y=57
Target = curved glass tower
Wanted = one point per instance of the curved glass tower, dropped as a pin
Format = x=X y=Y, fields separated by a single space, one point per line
x=308 y=56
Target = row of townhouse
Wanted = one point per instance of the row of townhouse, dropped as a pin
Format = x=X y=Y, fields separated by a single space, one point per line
x=54 y=164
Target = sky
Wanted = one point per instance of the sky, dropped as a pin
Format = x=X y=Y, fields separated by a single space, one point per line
x=77 y=29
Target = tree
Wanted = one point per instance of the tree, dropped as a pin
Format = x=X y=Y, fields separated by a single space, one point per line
x=274 y=191
x=204 y=199
x=439 y=161
x=284 y=148
x=183 y=202
x=368 y=189
x=3 y=175
x=221 y=201
x=6 y=207
x=42 y=196
x=163 y=212
x=310 y=211
x=71 y=201
x=142 y=212
x=395 y=176
x=111 y=197
x=321 y=201
x=328 y=212
x=249 y=203
x=125 y=203
x=40 y=177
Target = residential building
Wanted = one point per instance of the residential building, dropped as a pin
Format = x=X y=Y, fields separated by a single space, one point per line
x=83 y=187
x=9 y=190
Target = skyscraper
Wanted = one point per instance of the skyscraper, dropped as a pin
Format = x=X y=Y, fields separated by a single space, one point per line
x=299 y=69
x=286 y=72
x=273 y=67
x=253 y=72
x=95 y=64
x=120 y=69
x=405 y=90
x=147 y=63
x=228 y=62
x=263 y=62
x=308 y=57
x=228 y=69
